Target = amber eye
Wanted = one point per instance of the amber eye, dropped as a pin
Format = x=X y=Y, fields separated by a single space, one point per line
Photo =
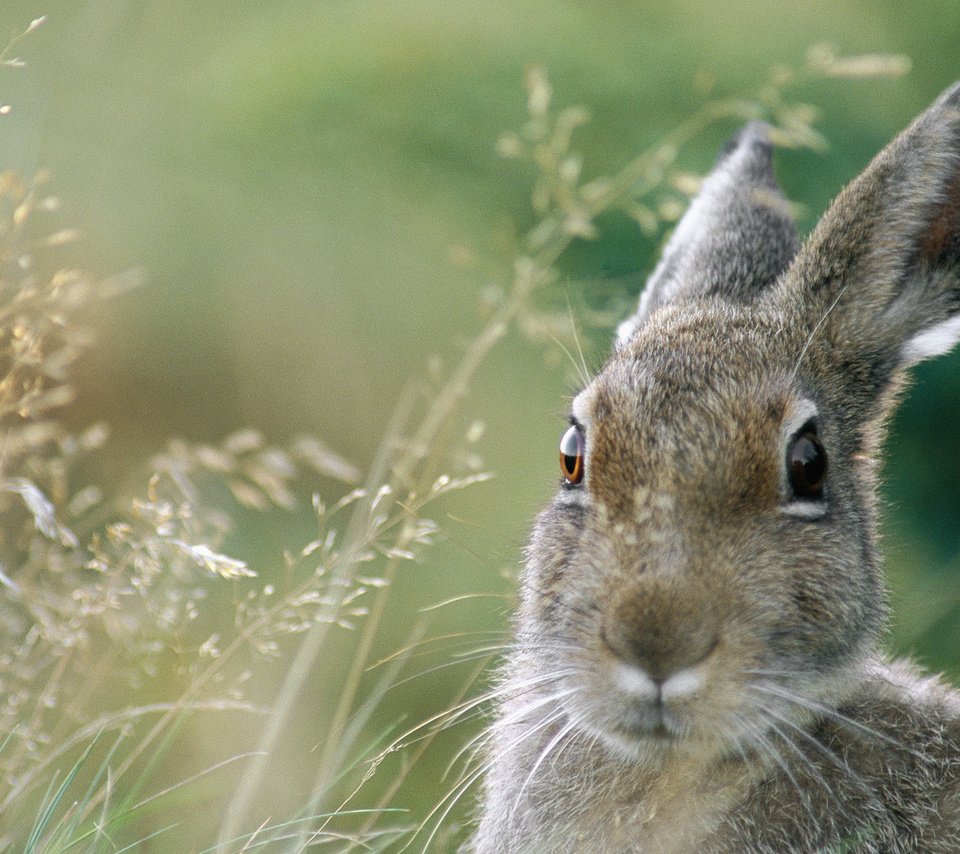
x=807 y=464
x=571 y=455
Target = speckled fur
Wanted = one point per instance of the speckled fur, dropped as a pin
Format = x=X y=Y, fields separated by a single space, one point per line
x=696 y=665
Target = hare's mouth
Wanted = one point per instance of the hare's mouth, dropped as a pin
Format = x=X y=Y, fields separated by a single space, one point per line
x=657 y=731
x=636 y=715
x=646 y=720
x=636 y=737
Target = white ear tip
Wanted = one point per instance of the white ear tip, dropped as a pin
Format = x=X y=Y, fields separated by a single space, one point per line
x=932 y=342
x=625 y=332
x=754 y=134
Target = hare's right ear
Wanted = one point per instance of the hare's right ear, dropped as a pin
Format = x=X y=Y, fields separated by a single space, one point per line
x=735 y=239
x=877 y=286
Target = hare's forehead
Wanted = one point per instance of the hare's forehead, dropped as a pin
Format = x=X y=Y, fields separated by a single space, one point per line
x=728 y=379
x=672 y=391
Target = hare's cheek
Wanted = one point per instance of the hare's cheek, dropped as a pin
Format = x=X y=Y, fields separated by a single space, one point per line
x=821 y=600
x=565 y=563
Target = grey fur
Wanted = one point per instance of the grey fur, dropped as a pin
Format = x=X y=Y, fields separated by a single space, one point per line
x=696 y=664
x=737 y=237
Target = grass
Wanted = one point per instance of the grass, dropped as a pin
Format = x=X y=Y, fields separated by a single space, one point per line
x=117 y=660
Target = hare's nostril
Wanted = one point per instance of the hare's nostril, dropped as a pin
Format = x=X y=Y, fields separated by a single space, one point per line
x=660 y=640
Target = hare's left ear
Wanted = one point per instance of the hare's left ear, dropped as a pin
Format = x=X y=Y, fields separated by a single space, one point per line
x=877 y=286
x=735 y=239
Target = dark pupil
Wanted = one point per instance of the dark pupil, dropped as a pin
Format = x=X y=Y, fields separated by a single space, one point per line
x=571 y=455
x=808 y=465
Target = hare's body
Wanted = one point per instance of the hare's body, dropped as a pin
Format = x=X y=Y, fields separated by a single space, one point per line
x=696 y=665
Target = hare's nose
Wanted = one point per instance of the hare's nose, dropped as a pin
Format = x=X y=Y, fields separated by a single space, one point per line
x=660 y=630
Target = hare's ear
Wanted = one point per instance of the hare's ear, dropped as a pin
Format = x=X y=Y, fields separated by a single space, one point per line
x=736 y=238
x=877 y=286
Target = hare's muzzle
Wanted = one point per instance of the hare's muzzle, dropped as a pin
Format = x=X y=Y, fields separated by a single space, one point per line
x=661 y=629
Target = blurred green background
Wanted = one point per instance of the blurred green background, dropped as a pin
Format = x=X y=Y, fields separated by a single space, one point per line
x=313 y=192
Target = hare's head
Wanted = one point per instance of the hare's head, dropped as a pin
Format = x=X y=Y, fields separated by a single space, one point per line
x=709 y=569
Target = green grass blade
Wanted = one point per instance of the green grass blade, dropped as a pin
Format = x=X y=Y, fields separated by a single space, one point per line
x=71 y=828
x=129 y=803
x=47 y=811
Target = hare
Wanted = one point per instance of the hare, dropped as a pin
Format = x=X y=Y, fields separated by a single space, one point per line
x=696 y=665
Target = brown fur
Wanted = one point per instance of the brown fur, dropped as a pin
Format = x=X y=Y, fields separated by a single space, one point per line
x=696 y=665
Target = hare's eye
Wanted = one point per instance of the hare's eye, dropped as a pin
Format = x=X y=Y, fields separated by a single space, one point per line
x=571 y=455
x=807 y=464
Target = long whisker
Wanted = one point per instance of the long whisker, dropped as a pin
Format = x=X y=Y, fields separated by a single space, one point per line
x=584 y=370
x=449 y=717
x=835 y=715
x=512 y=719
x=824 y=750
x=450 y=799
x=470 y=777
x=561 y=734
x=770 y=750
x=778 y=727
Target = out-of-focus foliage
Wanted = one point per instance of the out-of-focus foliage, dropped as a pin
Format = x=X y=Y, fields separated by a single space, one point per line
x=318 y=197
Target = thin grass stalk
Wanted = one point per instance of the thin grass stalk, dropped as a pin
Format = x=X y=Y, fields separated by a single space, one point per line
x=48 y=807
x=356 y=724
x=438 y=415
x=101 y=773
x=101 y=724
x=312 y=643
x=529 y=274
x=39 y=709
x=332 y=746
x=425 y=743
x=170 y=710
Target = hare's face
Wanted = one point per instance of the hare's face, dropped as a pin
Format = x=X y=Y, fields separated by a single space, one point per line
x=705 y=585
x=711 y=567
x=708 y=575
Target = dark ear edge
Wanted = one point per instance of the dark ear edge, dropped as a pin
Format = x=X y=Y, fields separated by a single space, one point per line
x=879 y=280
x=735 y=239
x=939 y=253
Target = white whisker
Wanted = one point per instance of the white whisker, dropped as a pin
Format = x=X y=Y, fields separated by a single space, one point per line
x=561 y=734
x=833 y=714
x=511 y=719
x=770 y=750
